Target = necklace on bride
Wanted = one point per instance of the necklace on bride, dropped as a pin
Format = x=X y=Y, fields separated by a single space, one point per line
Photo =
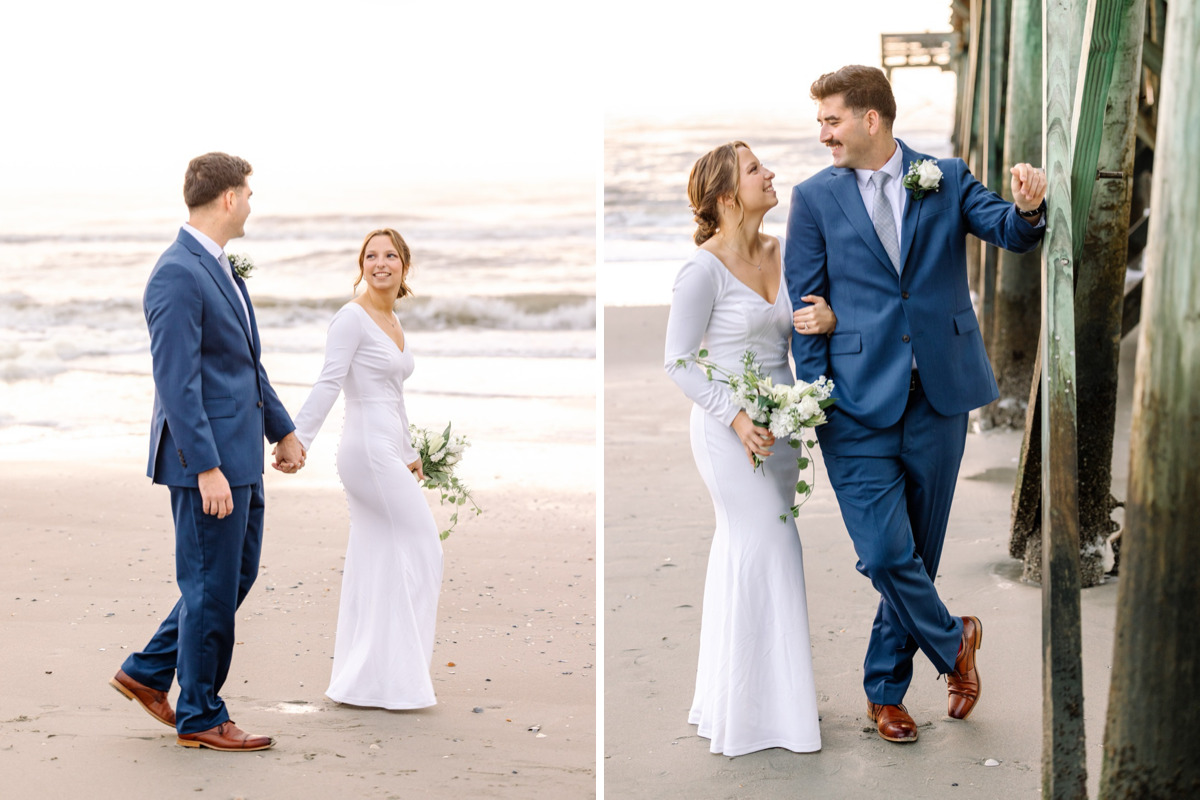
x=381 y=316
x=757 y=266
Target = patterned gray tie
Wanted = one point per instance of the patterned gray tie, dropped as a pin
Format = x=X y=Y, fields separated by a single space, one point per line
x=885 y=222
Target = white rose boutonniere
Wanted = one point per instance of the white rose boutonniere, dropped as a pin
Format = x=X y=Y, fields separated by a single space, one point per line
x=242 y=265
x=923 y=176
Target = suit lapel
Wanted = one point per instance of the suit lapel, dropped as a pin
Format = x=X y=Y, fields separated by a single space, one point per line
x=218 y=275
x=241 y=285
x=912 y=208
x=844 y=186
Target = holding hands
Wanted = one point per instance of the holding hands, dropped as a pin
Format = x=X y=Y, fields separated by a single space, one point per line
x=289 y=454
x=1028 y=188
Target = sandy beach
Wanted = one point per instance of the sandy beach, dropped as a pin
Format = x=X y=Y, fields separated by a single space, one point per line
x=658 y=528
x=89 y=572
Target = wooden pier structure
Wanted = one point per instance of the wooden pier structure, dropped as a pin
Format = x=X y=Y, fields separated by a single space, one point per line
x=1097 y=91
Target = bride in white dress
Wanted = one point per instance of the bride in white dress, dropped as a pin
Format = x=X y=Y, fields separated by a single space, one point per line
x=754 y=682
x=393 y=569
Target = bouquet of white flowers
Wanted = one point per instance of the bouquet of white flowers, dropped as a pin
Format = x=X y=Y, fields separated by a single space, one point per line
x=440 y=452
x=784 y=410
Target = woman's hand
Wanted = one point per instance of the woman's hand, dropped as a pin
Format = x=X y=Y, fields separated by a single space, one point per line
x=815 y=318
x=755 y=440
x=415 y=469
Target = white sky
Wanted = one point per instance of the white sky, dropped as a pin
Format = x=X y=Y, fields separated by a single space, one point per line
x=688 y=59
x=351 y=104
x=361 y=96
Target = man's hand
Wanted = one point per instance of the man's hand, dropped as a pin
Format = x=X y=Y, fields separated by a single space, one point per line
x=1028 y=189
x=214 y=493
x=289 y=454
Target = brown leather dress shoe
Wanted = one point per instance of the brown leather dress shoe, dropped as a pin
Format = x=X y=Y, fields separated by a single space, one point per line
x=155 y=702
x=893 y=722
x=964 y=683
x=226 y=736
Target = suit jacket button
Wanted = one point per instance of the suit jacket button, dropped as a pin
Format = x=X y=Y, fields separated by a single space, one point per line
x=904 y=295
x=260 y=403
x=904 y=338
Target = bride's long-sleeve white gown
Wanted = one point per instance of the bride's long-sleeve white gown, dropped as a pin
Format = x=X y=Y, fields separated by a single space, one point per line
x=754 y=681
x=393 y=570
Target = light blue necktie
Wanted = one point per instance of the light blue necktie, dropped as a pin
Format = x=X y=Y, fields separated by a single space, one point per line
x=885 y=222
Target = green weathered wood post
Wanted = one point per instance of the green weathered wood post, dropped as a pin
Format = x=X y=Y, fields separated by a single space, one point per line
x=1017 y=316
x=960 y=16
x=1064 y=769
x=972 y=111
x=1149 y=742
x=1101 y=189
x=990 y=167
x=966 y=98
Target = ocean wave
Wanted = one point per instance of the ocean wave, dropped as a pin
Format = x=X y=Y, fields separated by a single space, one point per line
x=521 y=223
x=522 y=312
x=519 y=312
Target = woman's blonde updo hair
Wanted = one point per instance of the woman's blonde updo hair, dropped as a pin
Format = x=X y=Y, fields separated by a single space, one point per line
x=714 y=175
x=401 y=248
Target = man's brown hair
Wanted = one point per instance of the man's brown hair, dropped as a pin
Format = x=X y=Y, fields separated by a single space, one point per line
x=862 y=89
x=211 y=175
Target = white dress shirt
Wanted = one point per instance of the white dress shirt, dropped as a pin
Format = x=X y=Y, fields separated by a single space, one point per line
x=216 y=252
x=895 y=192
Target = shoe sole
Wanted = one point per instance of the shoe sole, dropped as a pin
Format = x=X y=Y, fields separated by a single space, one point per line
x=192 y=743
x=128 y=695
x=978 y=642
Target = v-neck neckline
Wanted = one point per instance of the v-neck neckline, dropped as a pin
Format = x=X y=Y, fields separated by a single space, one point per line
x=379 y=328
x=778 y=289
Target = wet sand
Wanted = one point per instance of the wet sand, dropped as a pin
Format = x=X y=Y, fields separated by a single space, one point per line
x=658 y=529
x=89 y=572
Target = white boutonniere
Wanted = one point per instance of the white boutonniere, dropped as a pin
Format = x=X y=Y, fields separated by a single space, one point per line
x=242 y=265
x=923 y=176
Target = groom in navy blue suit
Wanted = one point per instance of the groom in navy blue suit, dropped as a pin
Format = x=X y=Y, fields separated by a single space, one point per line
x=213 y=406
x=907 y=360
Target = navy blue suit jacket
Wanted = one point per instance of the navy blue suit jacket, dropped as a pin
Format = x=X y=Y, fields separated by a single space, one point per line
x=884 y=318
x=213 y=404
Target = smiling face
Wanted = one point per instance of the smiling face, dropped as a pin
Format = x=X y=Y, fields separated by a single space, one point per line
x=755 y=190
x=847 y=134
x=382 y=267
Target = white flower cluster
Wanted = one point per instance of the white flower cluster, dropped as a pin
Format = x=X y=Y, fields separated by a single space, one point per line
x=439 y=449
x=929 y=175
x=439 y=453
x=241 y=265
x=798 y=406
x=782 y=409
x=923 y=176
